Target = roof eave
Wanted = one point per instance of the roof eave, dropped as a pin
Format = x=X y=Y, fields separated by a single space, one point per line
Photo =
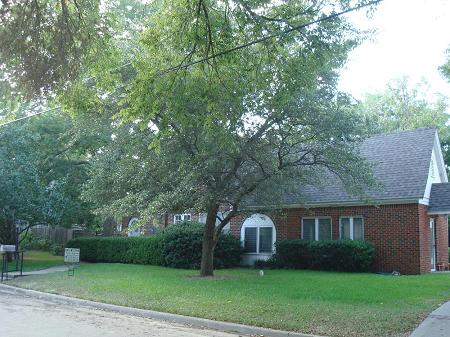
x=439 y=212
x=374 y=202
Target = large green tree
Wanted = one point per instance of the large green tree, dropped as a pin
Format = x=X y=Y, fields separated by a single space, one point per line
x=50 y=54
x=238 y=127
x=43 y=163
x=404 y=107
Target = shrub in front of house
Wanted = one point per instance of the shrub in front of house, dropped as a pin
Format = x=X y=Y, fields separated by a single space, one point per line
x=182 y=247
x=340 y=255
x=142 y=250
x=178 y=246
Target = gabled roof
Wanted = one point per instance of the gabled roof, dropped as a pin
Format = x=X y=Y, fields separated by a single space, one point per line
x=400 y=160
x=439 y=199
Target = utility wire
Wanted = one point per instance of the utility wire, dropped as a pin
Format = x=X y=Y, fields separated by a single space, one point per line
x=224 y=52
x=268 y=37
x=29 y=116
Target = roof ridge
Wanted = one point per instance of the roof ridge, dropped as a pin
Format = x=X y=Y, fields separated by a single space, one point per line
x=403 y=131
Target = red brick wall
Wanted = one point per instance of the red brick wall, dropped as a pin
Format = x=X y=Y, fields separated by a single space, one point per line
x=424 y=230
x=442 y=239
x=399 y=233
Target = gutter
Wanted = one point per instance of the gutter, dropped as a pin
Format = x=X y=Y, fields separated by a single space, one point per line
x=374 y=203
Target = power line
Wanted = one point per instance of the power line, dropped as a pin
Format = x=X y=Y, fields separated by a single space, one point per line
x=268 y=37
x=29 y=116
x=224 y=52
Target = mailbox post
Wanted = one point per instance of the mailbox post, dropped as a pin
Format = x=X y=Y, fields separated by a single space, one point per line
x=4 y=251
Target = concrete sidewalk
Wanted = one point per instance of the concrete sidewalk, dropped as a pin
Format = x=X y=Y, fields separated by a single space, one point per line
x=437 y=324
x=55 y=269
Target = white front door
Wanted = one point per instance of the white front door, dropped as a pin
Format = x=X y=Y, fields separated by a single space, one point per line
x=432 y=245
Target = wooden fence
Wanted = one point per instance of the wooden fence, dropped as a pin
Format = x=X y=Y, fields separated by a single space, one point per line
x=58 y=235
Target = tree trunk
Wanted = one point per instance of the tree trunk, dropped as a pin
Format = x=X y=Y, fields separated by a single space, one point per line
x=209 y=242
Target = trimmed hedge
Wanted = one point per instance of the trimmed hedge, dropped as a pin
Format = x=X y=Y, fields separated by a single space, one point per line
x=178 y=246
x=341 y=255
x=143 y=250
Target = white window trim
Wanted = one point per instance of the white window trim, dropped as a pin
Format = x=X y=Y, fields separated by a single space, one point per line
x=316 y=225
x=274 y=236
x=182 y=217
x=131 y=224
x=257 y=239
x=352 y=232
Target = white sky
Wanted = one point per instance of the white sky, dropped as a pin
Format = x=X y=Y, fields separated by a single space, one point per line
x=410 y=40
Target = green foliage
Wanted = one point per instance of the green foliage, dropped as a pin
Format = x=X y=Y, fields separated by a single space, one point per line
x=342 y=255
x=45 y=43
x=31 y=242
x=43 y=163
x=179 y=246
x=182 y=247
x=57 y=250
x=144 y=250
x=401 y=107
x=445 y=68
x=208 y=134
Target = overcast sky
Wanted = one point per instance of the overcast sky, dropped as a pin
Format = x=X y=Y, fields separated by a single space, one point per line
x=411 y=39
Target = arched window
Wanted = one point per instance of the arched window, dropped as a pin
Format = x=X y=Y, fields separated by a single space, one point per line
x=258 y=234
x=133 y=230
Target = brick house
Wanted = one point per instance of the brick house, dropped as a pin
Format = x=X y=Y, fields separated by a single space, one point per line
x=406 y=218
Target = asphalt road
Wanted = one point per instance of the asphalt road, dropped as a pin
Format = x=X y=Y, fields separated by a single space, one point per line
x=22 y=316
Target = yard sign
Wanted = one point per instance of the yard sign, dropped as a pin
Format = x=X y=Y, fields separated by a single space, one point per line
x=72 y=255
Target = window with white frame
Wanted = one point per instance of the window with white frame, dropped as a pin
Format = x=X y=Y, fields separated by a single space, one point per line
x=351 y=228
x=258 y=234
x=182 y=217
x=318 y=228
x=202 y=217
x=133 y=228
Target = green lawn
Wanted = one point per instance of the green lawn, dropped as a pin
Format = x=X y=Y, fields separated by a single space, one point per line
x=36 y=260
x=323 y=303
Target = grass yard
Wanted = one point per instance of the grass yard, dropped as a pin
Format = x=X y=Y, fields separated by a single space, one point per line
x=322 y=303
x=36 y=260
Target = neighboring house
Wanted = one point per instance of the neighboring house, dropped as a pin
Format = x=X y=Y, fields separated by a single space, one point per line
x=128 y=226
x=406 y=219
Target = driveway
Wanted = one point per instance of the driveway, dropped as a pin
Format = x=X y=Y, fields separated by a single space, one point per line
x=437 y=324
x=22 y=316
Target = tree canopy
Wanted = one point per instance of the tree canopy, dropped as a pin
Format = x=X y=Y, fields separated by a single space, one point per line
x=405 y=107
x=195 y=127
x=232 y=128
x=45 y=44
x=43 y=165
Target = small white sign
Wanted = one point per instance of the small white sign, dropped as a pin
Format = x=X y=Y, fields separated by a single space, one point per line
x=72 y=255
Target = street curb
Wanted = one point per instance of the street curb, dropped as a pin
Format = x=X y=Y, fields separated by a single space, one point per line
x=157 y=315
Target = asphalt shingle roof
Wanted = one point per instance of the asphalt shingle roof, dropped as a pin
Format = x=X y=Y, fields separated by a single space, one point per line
x=439 y=198
x=400 y=161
